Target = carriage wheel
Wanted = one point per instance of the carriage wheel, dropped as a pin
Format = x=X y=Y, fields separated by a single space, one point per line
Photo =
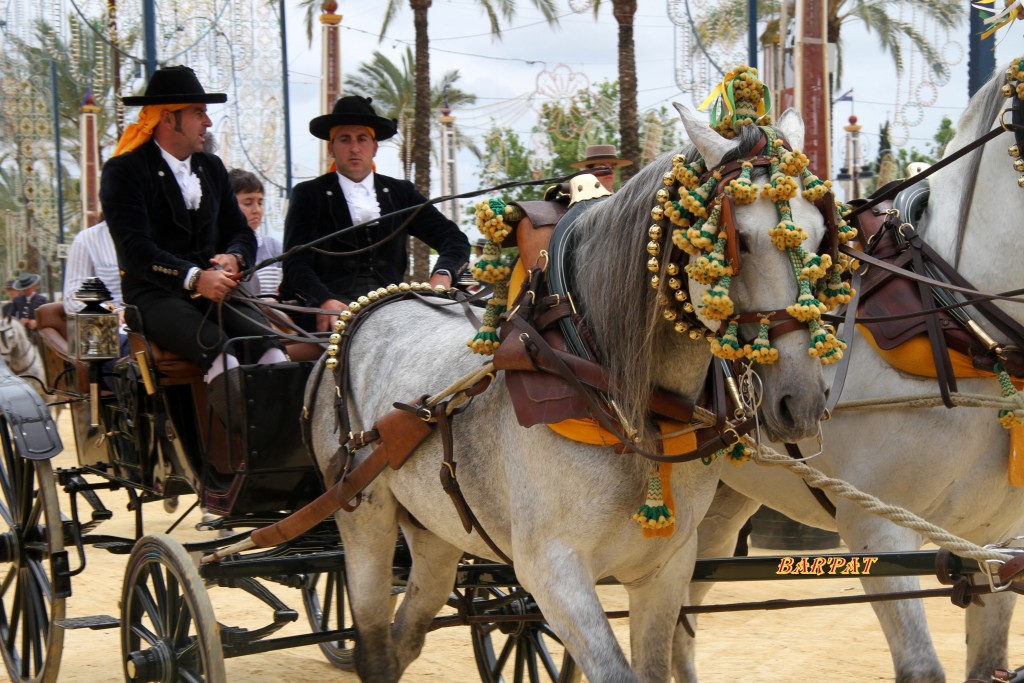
x=517 y=651
x=29 y=607
x=168 y=628
x=326 y=601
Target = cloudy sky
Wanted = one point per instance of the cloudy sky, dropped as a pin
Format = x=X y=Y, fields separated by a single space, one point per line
x=532 y=56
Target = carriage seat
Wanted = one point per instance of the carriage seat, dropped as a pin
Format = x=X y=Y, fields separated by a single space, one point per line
x=172 y=369
x=52 y=325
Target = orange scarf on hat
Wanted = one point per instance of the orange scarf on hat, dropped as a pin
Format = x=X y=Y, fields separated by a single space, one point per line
x=334 y=166
x=141 y=131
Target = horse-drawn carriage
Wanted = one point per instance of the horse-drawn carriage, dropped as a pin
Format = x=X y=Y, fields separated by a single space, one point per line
x=562 y=510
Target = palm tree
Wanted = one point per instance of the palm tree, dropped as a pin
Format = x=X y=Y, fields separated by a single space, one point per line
x=878 y=16
x=391 y=87
x=629 y=121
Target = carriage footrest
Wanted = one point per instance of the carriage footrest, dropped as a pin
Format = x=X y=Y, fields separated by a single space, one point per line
x=115 y=547
x=95 y=622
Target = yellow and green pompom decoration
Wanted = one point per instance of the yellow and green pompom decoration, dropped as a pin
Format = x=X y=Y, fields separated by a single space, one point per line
x=825 y=345
x=491 y=267
x=680 y=240
x=655 y=514
x=1008 y=418
x=486 y=341
x=761 y=350
x=490 y=219
x=742 y=189
x=807 y=306
x=814 y=187
x=792 y=163
x=787 y=234
x=715 y=301
x=781 y=188
x=836 y=291
x=728 y=346
x=737 y=454
x=815 y=266
x=703 y=234
x=688 y=175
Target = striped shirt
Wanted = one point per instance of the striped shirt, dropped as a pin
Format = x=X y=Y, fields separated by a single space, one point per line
x=91 y=255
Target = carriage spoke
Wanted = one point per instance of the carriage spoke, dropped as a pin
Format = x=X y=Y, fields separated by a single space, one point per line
x=144 y=599
x=522 y=651
x=506 y=650
x=541 y=652
x=182 y=623
x=171 y=605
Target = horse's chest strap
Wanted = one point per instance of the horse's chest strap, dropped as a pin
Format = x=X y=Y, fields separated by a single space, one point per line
x=396 y=435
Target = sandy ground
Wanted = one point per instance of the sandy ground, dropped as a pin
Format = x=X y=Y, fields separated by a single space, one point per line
x=820 y=643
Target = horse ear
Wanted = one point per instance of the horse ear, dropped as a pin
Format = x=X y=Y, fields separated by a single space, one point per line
x=712 y=146
x=792 y=126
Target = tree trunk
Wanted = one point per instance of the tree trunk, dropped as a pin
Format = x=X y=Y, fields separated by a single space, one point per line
x=419 y=268
x=624 y=11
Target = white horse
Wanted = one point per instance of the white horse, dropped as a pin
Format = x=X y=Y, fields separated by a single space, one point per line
x=560 y=509
x=949 y=466
x=22 y=356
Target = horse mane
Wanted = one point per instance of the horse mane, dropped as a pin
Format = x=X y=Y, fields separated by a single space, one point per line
x=976 y=120
x=614 y=290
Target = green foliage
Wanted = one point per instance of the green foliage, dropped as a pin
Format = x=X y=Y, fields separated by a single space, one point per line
x=565 y=130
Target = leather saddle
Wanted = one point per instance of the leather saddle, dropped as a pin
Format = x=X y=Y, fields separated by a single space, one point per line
x=886 y=294
x=545 y=301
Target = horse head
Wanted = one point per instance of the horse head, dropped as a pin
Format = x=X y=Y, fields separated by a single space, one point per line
x=728 y=263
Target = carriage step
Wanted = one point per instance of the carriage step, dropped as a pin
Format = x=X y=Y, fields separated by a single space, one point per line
x=115 y=547
x=95 y=622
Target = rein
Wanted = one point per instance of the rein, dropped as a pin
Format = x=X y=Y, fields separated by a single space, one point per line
x=892 y=191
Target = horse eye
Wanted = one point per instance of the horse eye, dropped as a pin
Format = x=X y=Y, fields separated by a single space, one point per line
x=744 y=245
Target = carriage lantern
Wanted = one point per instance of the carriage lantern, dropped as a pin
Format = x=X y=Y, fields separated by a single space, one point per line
x=92 y=332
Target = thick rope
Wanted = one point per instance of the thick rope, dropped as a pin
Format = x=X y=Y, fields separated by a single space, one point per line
x=933 y=401
x=764 y=455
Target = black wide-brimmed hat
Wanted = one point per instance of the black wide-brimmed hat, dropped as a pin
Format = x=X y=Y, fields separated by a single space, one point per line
x=174 y=85
x=353 y=110
x=25 y=280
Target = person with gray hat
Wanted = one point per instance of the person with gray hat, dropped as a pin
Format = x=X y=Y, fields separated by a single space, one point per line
x=352 y=194
x=603 y=156
x=24 y=305
x=180 y=237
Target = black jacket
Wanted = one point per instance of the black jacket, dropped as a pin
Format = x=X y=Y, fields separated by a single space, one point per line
x=318 y=208
x=157 y=239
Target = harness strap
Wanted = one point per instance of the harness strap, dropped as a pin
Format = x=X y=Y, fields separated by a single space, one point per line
x=399 y=432
x=940 y=352
x=450 y=484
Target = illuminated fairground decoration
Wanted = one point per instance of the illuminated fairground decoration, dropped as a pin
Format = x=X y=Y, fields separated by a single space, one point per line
x=837 y=565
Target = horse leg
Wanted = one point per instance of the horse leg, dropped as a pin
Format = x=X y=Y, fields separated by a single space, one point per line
x=903 y=621
x=654 y=604
x=434 y=562
x=988 y=629
x=716 y=537
x=368 y=536
x=565 y=592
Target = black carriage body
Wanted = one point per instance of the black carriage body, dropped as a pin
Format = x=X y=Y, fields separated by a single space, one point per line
x=157 y=434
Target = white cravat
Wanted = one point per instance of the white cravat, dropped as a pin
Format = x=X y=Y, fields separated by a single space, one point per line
x=361 y=198
x=191 y=189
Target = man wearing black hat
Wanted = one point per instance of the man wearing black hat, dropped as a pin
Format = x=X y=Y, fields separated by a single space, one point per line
x=181 y=239
x=352 y=195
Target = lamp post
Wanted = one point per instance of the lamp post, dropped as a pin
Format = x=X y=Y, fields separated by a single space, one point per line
x=853 y=172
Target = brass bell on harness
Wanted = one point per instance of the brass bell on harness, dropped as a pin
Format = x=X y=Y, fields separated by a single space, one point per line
x=655 y=281
x=340 y=325
x=1007 y=90
x=1020 y=182
x=1014 y=151
x=331 y=363
x=663 y=195
x=334 y=338
x=653 y=248
x=654 y=232
x=657 y=213
x=653 y=265
x=670 y=314
x=1018 y=165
